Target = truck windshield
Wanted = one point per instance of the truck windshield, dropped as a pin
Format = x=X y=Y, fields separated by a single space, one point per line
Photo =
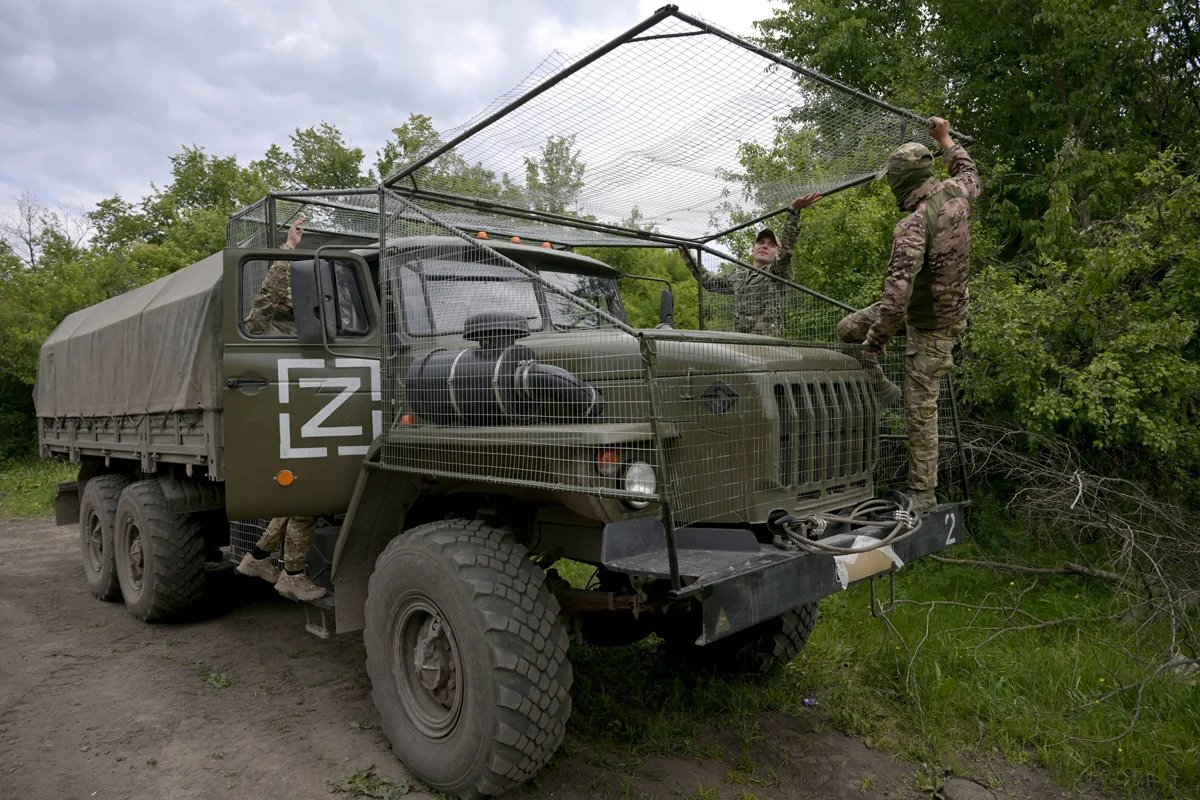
x=439 y=296
x=598 y=290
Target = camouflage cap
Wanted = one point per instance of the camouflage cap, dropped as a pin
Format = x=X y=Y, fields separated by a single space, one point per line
x=909 y=156
x=766 y=233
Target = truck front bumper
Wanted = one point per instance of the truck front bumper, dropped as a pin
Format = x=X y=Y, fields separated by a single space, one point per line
x=740 y=582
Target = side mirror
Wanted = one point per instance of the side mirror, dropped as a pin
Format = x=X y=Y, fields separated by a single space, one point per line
x=312 y=301
x=666 y=309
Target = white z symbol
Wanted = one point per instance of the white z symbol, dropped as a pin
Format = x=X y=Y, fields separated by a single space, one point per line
x=314 y=428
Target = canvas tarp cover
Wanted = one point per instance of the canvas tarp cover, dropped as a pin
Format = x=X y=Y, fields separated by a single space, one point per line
x=152 y=350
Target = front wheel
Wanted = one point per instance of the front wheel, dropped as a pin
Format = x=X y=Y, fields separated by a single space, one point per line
x=467 y=660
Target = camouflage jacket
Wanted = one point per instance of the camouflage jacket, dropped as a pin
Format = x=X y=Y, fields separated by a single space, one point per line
x=271 y=313
x=758 y=300
x=926 y=283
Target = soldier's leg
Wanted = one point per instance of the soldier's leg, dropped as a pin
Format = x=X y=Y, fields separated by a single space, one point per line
x=852 y=329
x=272 y=535
x=927 y=359
x=299 y=539
x=295 y=583
x=258 y=561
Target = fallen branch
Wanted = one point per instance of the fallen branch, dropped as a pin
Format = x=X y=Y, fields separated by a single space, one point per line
x=1067 y=568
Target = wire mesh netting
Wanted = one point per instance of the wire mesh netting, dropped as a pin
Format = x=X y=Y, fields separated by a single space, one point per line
x=661 y=132
x=510 y=359
x=524 y=352
x=747 y=301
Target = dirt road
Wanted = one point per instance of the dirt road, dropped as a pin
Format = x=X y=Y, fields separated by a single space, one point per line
x=245 y=704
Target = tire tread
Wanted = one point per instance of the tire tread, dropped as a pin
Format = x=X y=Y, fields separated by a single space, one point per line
x=175 y=554
x=528 y=645
x=105 y=492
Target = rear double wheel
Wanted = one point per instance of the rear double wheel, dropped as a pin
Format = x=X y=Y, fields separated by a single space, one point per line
x=159 y=554
x=97 y=518
x=467 y=659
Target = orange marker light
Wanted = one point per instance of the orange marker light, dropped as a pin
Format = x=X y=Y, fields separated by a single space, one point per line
x=481 y=235
x=608 y=463
x=285 y=477
x=516 y=240
x=408 y=420
x=546 y=245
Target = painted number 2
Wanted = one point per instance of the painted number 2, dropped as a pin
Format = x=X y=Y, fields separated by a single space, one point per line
x=949 y=523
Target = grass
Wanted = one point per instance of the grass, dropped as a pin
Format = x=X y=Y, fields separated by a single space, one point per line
x=365 y=783
x=217 y=680
x=27 y=486
x=951 y=676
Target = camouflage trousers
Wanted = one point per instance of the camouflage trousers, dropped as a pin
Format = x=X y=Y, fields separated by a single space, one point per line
x=759 y=308
x=299 y=538
x=927 y=359
x=763 y=324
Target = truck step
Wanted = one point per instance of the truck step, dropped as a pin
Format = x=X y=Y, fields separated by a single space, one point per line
x=318 y=617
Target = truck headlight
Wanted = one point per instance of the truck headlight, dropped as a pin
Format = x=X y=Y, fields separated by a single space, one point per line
x=640 y=479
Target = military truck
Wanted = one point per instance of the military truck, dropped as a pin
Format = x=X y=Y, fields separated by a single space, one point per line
x=458 y=449
x=467 y=407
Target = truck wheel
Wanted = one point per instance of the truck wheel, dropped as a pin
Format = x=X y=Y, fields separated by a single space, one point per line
x=97 y=515
x=467 y=659
x=159 y=555
x=754 y=651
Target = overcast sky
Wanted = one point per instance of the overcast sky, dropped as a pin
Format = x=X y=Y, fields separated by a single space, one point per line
x=98 y=94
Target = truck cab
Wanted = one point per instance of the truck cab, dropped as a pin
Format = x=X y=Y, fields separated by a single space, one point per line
x=320 y=386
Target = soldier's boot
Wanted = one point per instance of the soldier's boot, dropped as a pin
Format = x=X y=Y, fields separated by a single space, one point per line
x=298 y=587
x=923 y=501
x=889 y=394
x=258 y=568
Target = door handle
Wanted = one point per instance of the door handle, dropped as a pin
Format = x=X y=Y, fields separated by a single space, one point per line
x=248 y=384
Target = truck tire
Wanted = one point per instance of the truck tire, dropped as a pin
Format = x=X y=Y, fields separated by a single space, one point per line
x=467 y=659
x=159 y=555
x=754 y=651
x=97 y=516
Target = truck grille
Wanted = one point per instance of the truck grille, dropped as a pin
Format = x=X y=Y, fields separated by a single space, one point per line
x=828 y=430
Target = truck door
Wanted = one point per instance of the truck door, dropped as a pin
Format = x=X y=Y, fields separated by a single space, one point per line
x=302 y=385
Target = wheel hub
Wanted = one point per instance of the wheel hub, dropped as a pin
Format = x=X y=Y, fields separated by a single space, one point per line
x=427 y=667
x=95 y=544
x=434 y=663
x=137 y=559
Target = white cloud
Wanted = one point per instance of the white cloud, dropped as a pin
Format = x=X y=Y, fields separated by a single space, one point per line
x=98 y=96
x=34 y=70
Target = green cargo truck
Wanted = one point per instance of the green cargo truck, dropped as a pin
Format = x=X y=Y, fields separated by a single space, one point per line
x=457 y=452
x=465 y=405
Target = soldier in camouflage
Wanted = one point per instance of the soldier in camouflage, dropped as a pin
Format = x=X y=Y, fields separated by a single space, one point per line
x=271 y=314
x=758 y=300
x=925 y=290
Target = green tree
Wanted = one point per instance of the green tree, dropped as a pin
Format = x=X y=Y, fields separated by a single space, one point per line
x=450 y=172
x=118 y=225
x=1085 y=239
x=554 y=179
x=319 y=158
x=33 y=232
